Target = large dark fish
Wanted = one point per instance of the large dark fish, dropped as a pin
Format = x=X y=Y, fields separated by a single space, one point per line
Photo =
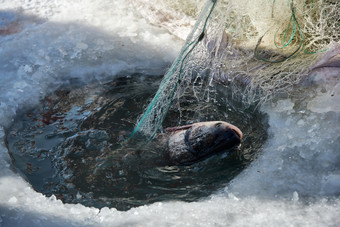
x=190 y=143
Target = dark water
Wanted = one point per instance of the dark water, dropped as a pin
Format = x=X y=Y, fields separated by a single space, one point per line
x=67 y=145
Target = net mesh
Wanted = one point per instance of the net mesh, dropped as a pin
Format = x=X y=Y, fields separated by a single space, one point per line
x=256 y=48
x=272 y=44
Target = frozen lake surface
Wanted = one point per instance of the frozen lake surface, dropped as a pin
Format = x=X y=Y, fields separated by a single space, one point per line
x=295 y=180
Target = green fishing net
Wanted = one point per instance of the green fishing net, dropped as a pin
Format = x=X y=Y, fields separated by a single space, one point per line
x=254 y=47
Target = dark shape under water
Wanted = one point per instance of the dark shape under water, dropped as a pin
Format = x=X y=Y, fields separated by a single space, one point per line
x=67 y=146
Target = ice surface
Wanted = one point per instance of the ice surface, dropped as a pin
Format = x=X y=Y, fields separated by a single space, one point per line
x=294 y=182
x=327 y=100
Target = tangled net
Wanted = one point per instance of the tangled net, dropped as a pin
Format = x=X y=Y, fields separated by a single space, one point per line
x=256 y=48
x=272 y=45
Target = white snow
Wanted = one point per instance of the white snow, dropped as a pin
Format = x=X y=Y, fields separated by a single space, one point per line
x=56 y=41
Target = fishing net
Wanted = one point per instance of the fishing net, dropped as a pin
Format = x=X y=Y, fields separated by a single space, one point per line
x=255 y=48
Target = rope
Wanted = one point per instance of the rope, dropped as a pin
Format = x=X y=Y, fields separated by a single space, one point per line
x=210 y=4
x=299 y=48
x=292 y=27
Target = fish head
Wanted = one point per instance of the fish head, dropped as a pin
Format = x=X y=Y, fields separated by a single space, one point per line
x=191 y=143
x=207 y=138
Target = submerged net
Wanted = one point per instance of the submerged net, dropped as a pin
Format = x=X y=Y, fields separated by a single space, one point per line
x=256 y=48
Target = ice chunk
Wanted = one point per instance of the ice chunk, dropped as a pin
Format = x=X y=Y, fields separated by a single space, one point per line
x=325 y=102
x=82 y=46
x=12 y=200
x=284 y=105
x=331 y=184
x=295 y=197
